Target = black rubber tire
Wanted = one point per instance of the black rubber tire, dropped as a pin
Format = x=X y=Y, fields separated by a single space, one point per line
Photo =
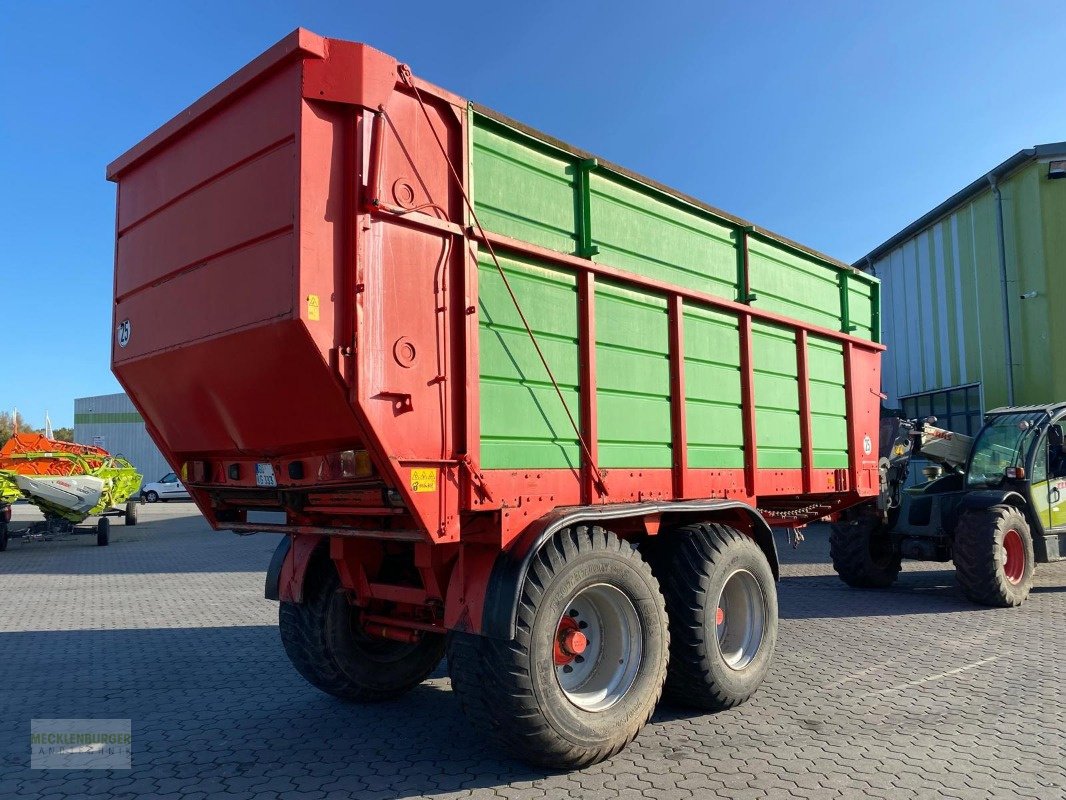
x=510 y=688
x=103 y=532
x=3 y=536
x=693 y=564
x=862 y=552
x=980 y=558
x=130 y=516
x=151 y=497
x=322 y=639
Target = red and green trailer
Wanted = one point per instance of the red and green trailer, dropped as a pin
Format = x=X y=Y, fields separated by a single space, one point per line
x=507 y=402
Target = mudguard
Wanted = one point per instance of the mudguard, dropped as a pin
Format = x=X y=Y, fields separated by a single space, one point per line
x=499 y=617
x=288 y=567
x=986 y=498
x=277 y=561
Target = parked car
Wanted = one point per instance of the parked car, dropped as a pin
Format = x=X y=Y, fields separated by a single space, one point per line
x=166 y=488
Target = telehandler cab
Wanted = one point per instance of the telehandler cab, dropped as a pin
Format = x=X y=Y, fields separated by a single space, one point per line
x=994 y=504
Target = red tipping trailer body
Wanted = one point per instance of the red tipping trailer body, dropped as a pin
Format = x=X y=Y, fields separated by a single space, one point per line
x=312 y=320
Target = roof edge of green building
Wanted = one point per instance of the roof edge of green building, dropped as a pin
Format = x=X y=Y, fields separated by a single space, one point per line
x=981 y=184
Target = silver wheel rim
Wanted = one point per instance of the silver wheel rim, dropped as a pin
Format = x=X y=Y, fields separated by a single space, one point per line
x=599 y=674
x=740 y=619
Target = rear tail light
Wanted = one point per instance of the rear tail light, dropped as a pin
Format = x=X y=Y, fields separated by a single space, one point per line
x=346 y=464
x=1017 y=473
x=335 y=466
x=196 y=471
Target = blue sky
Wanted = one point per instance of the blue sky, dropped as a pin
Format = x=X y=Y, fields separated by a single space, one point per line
x=832 y=123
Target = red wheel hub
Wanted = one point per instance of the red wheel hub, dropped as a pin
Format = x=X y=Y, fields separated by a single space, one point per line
x=719 y=616
x=569 y=641
x=1014 y=564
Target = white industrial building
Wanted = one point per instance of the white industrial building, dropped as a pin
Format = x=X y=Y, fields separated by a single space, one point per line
x=110 y=421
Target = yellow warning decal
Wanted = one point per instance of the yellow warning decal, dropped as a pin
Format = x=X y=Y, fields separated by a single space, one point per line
x=424 y=480
x=312 y=307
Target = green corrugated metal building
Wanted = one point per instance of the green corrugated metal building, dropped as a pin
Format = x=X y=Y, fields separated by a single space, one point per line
x=973 y=295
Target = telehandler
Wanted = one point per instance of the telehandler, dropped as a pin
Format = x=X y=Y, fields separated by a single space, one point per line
x=994 y=504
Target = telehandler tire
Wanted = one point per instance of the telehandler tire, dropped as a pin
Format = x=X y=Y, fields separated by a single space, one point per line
x=586 y=668
x=862 y=553
x=323 y=640
x=993 y=554
x=722 y=604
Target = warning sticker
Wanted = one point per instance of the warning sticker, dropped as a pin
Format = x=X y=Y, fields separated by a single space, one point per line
x=312 y=307
x=424 y=480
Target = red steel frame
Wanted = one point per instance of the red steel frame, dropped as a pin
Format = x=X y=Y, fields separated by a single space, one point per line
x=377 y=112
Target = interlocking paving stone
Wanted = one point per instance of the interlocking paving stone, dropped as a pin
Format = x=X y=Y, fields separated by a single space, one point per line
x=907 y=692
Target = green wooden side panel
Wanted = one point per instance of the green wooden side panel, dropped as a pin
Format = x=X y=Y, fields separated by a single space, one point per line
x=543 y=194
x=712 y=389
x=861 y=308
x=523 y=424
x=798 y=287
x=646 y=234
x=632 y=378
x=529 y=190
x=829 y=422
x=777 y=419
x=523 y=191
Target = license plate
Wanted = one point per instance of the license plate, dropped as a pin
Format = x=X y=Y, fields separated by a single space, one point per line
x=264 y=475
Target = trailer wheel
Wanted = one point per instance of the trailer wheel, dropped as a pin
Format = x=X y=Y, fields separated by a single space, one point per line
x=586 y=668
x=722 y=604
x=103 y=532
x=993 y=554
x=131 y=512
x=323 y=640
x=3 y=536
x=862 y=552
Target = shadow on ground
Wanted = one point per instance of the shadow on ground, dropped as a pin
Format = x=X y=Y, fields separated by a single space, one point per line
x=160 y=548
x=919 y=592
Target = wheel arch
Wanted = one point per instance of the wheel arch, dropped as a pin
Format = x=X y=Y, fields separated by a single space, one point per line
x=500 y=608
x=986 y=498
x=289 y=565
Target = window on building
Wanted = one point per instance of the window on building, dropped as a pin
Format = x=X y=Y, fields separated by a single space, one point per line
x=957 y=409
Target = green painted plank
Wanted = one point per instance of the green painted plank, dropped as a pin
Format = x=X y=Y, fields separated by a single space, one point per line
x=523 y=423
x=523 y=191
x=777 y=420
x=861 y=308
x=713 y=419
x=652 y=237
x=829 y=425
x=786 y=283
x=632 y=378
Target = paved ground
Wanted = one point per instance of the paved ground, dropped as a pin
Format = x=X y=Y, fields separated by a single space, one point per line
x=896 y=694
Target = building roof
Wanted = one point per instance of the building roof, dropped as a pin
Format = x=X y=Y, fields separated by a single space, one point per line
x=1015 y=162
